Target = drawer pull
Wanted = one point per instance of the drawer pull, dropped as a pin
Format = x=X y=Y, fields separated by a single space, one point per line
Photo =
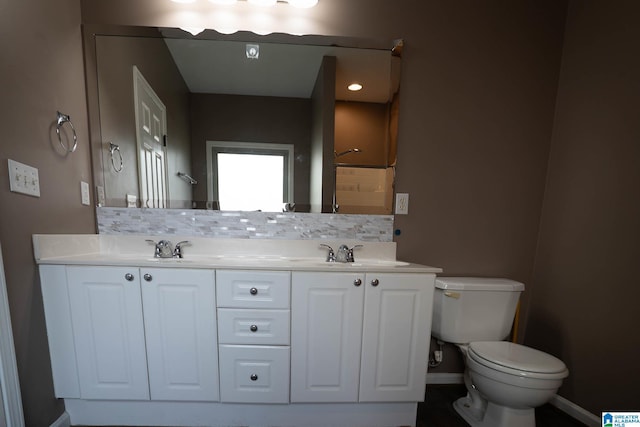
x=147 y=277
x=254 y=377
x=357 y=282
x=254 y=328
x=375 y=282
x=129 y=277
x=253 y=291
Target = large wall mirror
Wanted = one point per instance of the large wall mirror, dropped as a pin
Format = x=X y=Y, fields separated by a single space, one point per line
x=223 y=122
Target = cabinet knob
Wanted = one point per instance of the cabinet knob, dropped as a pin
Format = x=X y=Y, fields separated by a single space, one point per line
x=129 y=277
x=147 y=277
x=357 y=282
x=254 y=328
x=253 y=291
x=375 y=282
x=254 y=377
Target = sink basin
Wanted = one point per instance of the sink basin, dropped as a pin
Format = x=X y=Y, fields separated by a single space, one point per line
x=357 y=263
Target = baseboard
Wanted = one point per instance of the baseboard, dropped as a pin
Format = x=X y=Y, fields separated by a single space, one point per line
x=576 y=411
x=445 y=378
x=63 y=421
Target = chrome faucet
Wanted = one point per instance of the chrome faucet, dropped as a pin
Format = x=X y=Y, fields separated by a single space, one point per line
x=344 y=254
x=165 y=249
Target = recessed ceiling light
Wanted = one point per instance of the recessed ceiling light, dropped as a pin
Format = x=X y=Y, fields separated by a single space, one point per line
x=253 y=51
x=354 y=87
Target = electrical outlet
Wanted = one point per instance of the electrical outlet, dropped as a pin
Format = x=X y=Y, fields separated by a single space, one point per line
x=402 y=203
x=23 y=179
x=84 y=192
x=132 y=201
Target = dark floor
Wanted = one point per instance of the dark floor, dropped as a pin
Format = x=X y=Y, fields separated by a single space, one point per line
x=437 y=410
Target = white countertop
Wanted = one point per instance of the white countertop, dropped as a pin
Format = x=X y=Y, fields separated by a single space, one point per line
x=259 y=254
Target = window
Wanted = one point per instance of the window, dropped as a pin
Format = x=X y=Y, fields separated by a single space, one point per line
x=250 y=176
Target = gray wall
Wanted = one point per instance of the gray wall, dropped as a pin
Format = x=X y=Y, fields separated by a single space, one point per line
x=41 y=72
x=251 y=119
x=586 y=287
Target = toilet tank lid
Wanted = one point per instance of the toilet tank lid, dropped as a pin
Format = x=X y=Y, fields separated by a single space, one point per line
x=478 y=284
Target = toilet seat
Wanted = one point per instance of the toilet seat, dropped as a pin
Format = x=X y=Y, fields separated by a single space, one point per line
x=516 y=359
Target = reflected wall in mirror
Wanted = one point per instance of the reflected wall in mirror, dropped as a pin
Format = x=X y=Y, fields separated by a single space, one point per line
x=343 y=142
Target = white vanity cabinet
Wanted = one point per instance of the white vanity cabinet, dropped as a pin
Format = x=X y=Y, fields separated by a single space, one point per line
x=108 y=332
x=395 y=337
x=254 y=335
x=180 y=328
x=360 y=337
x=138 y=333
x=326 y=335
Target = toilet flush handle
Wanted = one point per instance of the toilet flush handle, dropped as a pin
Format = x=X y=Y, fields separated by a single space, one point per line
x=450 y=294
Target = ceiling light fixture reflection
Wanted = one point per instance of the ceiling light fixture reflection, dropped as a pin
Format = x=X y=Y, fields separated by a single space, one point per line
x=263 y=2
x=305 y=4
x=354 y=87
x=193 y=30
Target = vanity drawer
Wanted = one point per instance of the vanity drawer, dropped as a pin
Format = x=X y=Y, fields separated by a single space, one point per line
x=253 y=289
x=245 y=326
x=254 y=374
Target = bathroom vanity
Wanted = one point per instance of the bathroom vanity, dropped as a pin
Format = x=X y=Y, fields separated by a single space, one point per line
x=238 y=332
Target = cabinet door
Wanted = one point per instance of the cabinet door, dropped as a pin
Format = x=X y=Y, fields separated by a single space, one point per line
x=180 y=325
x=106 y=313
x=326 y=330
x=395 y=341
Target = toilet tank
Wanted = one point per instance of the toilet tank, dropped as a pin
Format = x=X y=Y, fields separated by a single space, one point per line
x=468 y=309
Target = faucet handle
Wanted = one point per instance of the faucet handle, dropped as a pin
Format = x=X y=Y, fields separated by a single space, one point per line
x=177 y=252
x=331 y=255
x=350 y=257
x=156 y=251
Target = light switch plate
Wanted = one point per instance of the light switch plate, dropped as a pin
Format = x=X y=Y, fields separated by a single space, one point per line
x=402 y=203
x=84 y=192
x=23 y=179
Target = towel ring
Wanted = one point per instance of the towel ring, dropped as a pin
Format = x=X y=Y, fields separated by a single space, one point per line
x=112 y=149
x=62 y=119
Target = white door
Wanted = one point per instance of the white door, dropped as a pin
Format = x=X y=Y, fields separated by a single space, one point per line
x=180 y=326
x=326 y=329
x=395 y=339
x=151 y=128
x=106 y=314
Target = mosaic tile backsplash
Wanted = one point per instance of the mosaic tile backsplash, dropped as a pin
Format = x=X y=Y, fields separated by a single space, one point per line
x=245 y=225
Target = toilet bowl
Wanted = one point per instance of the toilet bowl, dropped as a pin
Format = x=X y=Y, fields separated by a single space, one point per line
x=509 y=380
x=505 y=381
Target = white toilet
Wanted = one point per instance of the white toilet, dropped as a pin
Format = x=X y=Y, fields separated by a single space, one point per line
x=505 y=381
